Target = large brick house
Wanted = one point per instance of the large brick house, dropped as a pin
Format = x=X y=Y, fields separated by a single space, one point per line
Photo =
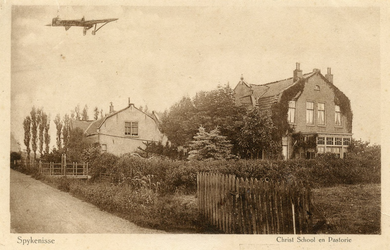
x=318 y=115
x=122 y=131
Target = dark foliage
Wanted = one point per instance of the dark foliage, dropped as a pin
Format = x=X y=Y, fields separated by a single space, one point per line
x=210 y=109
x=345 y=106
x=280 y=110
x=15 y=159
x=158 y=149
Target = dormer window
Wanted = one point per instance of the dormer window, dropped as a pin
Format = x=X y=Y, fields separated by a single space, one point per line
x=317 y=88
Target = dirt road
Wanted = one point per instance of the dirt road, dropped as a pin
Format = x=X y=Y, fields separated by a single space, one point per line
x=39 y=208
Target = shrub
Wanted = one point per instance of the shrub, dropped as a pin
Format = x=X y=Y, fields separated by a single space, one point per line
x=102 y=164
x=169 y=177
x=64 y=184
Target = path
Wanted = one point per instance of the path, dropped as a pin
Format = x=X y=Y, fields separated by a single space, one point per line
x=39 y=208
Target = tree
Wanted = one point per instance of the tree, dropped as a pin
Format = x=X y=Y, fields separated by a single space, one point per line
x=27 y=135
x=96 y=113
x=210 y=109
x=58 y=124
x=34 y=131
x=41 y=128
x=178 y=123
x=47 y=135
x=256 y=136
x=217 y=108
x=364 y=150
x=210 y=146
x=77 y=111
x=76 y=145
x=66 y=131
x=84 y=115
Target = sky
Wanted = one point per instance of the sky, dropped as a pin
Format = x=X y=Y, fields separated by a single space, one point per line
x=156 y=55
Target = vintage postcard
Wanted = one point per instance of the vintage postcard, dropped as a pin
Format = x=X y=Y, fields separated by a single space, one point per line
x=194 y=125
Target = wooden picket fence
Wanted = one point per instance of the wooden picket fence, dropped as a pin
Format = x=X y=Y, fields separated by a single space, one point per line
x=251 y=206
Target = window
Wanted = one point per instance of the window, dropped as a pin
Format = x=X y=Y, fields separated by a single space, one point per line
x=337 y=118
x=317 y=88
x=104 y=147
x=291 y=111
x=321 y=150
x=321 y=140
x=338 y=141
x=131 y=128
x=346 y=141
x=329 y=140
x=309 y=112
x=321 y=113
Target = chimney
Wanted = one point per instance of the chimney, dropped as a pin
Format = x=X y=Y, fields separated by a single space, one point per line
x=129 y=102
x=297 y=72
x=329 y=75
x=111 y=108
x=316 y=70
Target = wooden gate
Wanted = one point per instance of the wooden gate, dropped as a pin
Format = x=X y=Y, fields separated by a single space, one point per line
x=73 y=170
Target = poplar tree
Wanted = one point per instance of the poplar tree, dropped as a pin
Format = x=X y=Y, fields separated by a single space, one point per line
x=27 y=135
x=34 y=131
x=96 y=113
x=47 y=135
x=66 y=132
x=58 y=124
x=84 y=115
x=77 y=111
x=41 y=128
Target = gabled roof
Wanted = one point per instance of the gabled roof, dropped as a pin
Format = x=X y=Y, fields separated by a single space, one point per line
x=95 y=125
x=275 y=88
x=81 y=124
x=92 y=128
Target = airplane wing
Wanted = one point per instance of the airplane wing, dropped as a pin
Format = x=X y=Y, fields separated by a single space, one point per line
x=92 y=22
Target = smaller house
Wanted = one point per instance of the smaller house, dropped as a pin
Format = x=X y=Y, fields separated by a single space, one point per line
x=123 y=131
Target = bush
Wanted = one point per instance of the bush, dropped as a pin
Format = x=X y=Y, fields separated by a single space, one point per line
x=101 y=165
x=169 y=177
x=64 y=184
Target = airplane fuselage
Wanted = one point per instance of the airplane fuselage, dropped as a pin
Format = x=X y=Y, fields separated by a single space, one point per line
x=81 y=23
x=59 y=22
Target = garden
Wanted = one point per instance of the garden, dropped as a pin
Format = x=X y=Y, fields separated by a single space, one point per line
x=161 y=193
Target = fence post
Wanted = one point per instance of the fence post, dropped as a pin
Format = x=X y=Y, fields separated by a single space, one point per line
x=293 y=215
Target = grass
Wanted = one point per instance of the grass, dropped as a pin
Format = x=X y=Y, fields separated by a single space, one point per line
x=350 y=209
x=347 y=209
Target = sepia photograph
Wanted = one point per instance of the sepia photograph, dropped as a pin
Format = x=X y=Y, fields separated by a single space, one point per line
x=195 y=126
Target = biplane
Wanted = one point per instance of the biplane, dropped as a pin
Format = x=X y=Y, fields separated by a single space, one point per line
x=81 y=23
